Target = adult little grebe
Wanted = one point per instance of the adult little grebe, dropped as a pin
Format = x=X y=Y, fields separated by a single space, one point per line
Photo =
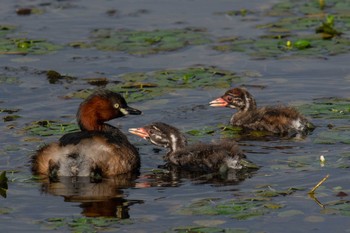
x=198 y=157
x=98 y=149
x=280 y=120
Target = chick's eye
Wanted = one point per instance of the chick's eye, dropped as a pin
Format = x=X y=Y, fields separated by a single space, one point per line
x=229 y=98
x=116 y=105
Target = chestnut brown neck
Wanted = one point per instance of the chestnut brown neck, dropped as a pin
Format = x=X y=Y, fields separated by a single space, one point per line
x=93 y=112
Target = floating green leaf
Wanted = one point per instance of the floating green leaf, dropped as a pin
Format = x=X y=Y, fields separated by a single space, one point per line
x=8 y=80
x=82 y=224
x=293 y=34
x=146 y=42
x=48 y=128
x=8 y=110
x=270 y=192
x=10 y=118
x=302 y=44
x=327 y=108
x=327 y=28
x=275 y=47
x=202 y=132
x=5 y=29
x=239 y=209
x=340 y=207
x=200 y=229
x=334 y=135
x=142 y=86
x=26 y=46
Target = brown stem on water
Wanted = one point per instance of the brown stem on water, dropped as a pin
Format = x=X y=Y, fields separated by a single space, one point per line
x=312 y=196
x=318 y=185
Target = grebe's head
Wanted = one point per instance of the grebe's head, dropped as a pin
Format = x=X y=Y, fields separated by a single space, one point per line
x=161 y=134
x=238 y=98
x=101 y=106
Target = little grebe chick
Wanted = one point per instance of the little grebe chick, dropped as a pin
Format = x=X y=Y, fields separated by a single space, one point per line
x=99 y=149
x=197 y=157
x=279 y=120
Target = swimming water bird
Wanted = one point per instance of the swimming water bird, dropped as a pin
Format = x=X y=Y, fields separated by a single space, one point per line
x=275 y=119
x=198 y=157
x=99 y=149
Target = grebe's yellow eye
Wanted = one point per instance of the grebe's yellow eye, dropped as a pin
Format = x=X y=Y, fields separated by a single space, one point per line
x=116 y=105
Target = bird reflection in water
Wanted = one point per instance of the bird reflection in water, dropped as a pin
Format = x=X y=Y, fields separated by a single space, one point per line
x=97 y=198
x=106 y=197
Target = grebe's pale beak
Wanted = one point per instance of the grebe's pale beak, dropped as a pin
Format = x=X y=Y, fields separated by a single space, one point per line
x=141 y=132
x=219 y=102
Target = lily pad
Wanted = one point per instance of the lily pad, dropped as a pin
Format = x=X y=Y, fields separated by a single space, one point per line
x=241 y=209
x=82 y=224
x=327 y=108
x=270 y=192
x=334 y=135
x=143 y=86
x=276 y=47
x=49 y=128
x=5 y=29
x=24 y=46
x=301 y=29
x=9 y=80
x=200 y=229
x=340 y=207
x=146 y=42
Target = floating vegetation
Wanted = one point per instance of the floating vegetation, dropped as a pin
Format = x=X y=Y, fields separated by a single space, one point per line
x=145 y=42
x=242 y=12
x=23 y=46
x=334 y=135
x=49 y=128
x=100 y=81
x=327 y=108
x=204 y=229
x=10 y=118
x=56 y=78
x=243 y=209
x=327 y=28
x=303 y=29
x=144 y=86
x=339 y=207
x=278 y=47
x=29 y=11
x=82 y=224
x=9 y=110
x=4 y=79
x=5 y=29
